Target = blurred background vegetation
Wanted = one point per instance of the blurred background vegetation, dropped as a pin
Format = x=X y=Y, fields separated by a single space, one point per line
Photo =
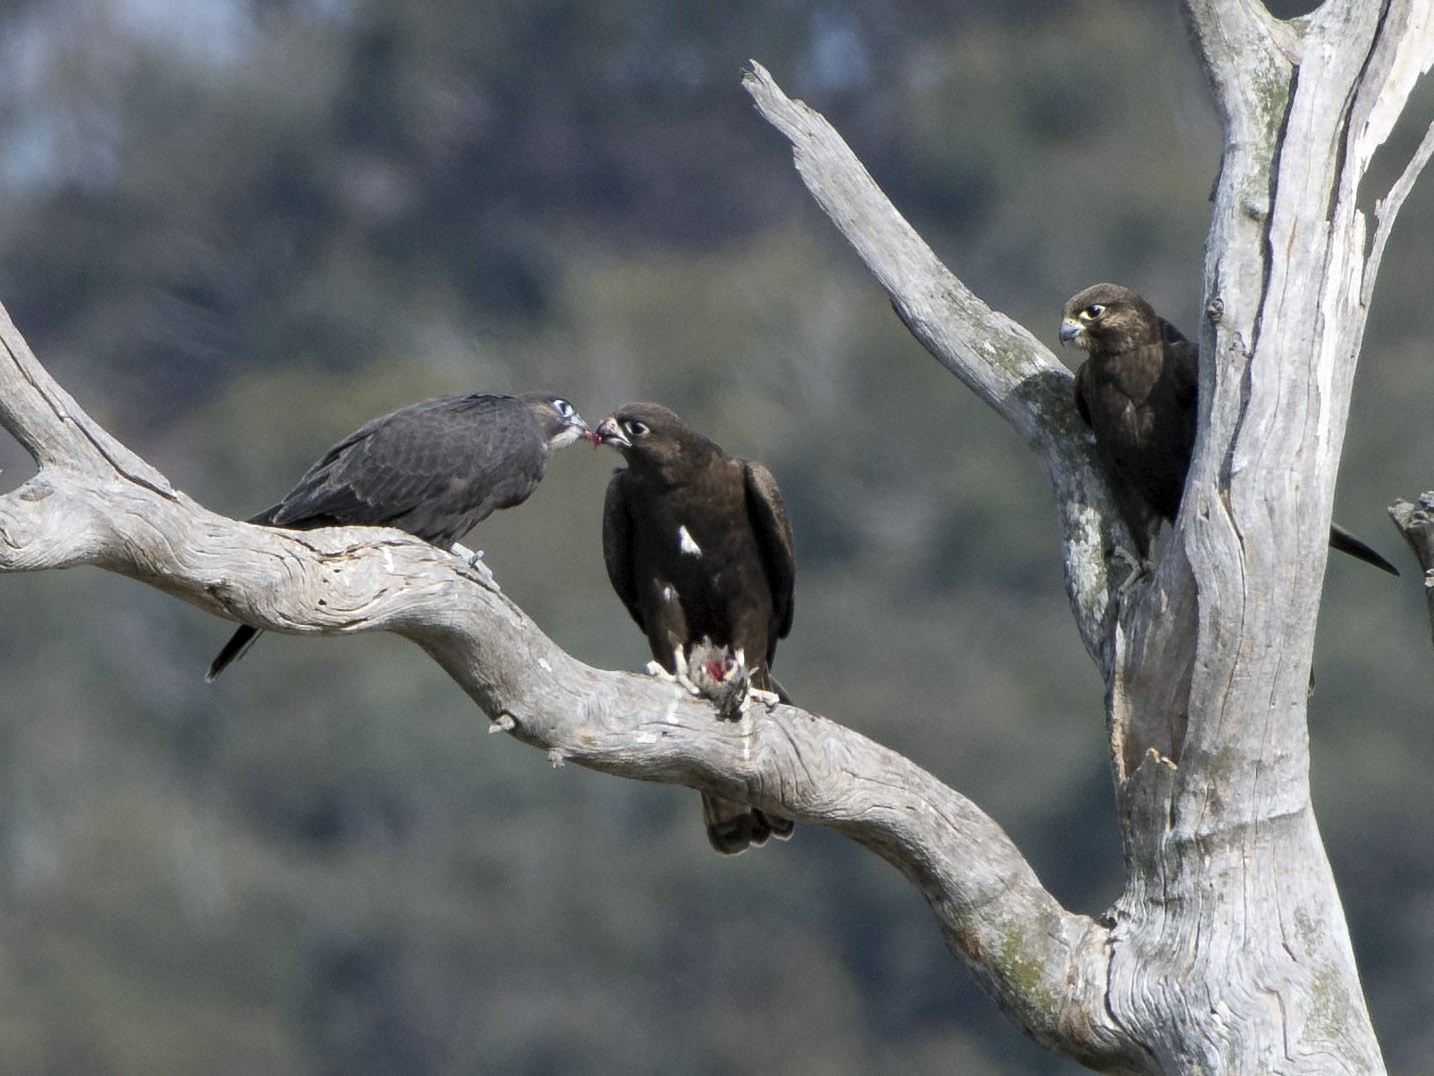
x=235 y=229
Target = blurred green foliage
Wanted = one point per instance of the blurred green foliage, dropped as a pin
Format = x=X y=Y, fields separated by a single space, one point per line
x=237 y=229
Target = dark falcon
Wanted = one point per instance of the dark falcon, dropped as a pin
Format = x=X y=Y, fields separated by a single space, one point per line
x=1137 y=392
x=435 y=468
x=698 y=546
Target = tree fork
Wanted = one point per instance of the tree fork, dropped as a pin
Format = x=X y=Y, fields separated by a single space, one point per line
x=1228 y=950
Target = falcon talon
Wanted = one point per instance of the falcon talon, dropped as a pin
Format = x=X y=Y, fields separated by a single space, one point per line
x=735 y=708
x=654 y=669
x=485 y=573
x=682 y=674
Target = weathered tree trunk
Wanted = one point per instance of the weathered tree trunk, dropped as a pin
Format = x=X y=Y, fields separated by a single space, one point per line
x=1228 y=950
x=1231 y=929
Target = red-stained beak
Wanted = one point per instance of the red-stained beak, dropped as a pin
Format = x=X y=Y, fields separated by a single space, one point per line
x=609 y=432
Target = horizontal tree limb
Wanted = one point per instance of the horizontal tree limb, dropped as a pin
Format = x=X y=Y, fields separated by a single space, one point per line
x=1043 y=965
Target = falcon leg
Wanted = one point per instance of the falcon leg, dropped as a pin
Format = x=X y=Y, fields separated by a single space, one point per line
x=748 y=694
x=475 y=561
x=1139 y=568
x=679 y=662
x=734 y=707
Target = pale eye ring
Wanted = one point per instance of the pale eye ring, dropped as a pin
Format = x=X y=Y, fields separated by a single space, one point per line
x=564 y=408
x=635 y=428
x=1092 y=312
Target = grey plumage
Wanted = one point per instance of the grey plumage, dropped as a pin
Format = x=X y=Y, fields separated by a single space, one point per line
x=435 y=468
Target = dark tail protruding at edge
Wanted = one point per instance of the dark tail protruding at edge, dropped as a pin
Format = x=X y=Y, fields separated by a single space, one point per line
x=242 y=639
x=733 y=825
x=1341 y=539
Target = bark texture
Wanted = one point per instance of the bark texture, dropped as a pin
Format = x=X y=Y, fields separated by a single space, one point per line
x=94 y=502
x=1228 y=950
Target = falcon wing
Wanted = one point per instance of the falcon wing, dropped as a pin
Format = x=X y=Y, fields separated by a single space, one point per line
x=617 y=544
x=1183 y=360
x=434 y=468
x=774 y=538
x=1080 y=401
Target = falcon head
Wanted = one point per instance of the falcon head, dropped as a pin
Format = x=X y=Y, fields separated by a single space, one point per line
x=650 y=435
x=559 y=420
x=1108 y=317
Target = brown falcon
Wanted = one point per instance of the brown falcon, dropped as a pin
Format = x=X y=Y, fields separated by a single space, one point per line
x=435 y=468
x=1137 y=392
x=698 y=547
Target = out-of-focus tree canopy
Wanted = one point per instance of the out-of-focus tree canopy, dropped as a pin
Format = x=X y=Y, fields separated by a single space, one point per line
x=236 y=230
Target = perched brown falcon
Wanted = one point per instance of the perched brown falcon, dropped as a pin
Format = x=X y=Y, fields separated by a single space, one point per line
x=435 y=468
x=698 y=547
x=1137 y=392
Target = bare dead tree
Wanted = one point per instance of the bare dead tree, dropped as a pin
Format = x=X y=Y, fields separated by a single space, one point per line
x=1228 y=950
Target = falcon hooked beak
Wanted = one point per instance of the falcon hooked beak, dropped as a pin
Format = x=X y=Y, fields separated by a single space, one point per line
x=1073 y=330
x=610 y=433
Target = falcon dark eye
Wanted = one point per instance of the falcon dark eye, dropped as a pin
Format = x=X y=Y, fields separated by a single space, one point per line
x=1092 y=312
x=635 y=428
x=564 y=408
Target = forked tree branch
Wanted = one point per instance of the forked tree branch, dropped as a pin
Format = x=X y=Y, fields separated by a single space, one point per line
x=1023 y=381
x=1207 y=665
x=994 y=356
x=1132 y=993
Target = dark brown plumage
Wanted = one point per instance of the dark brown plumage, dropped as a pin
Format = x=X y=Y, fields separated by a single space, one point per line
x=698 y=546
x=435 y=468
x=1137 y=392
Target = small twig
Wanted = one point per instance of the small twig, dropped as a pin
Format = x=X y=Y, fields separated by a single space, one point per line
x=1387 y=209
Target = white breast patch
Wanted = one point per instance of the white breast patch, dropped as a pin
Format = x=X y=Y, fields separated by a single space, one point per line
x=686 y=544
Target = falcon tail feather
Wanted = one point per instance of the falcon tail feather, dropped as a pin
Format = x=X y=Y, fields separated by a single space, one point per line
x=1342 y=540
x=733 y=826
x=238 y=645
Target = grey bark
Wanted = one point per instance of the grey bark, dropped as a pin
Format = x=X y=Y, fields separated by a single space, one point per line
x=1227 y=951
x=94 y=502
